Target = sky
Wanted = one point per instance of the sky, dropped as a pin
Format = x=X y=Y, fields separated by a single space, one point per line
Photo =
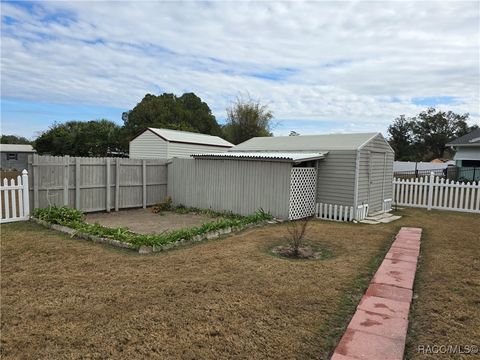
x=321 y=67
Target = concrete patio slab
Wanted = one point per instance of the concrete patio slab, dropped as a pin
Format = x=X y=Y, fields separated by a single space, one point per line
x=393 y=308
x=365 y=346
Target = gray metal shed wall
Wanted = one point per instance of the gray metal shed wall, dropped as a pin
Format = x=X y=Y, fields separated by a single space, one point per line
x=240 y=186
x=336 y=178
x=377 y=144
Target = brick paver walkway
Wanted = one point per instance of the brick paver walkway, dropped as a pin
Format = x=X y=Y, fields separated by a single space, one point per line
x=378 y=329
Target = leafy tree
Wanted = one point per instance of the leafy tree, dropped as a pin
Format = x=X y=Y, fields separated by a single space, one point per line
x=400 y=138
x=433 y=129
x=247 y=118
x=77 y=138
x=13 y=139
x=187 y=112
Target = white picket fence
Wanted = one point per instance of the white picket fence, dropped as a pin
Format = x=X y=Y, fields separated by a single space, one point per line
x=14 y=204
x=340 y=213
x=433 y=192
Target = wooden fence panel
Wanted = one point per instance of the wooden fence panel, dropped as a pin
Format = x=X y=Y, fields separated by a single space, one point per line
x=96 y=184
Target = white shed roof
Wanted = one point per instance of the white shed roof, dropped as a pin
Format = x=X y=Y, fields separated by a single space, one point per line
x=16 y=148
x=276 y=156
x=190 y=137
x=306 y=142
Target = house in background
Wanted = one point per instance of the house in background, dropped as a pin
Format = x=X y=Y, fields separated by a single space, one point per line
x=15 y=156
x=467 y=155
x=155 y=143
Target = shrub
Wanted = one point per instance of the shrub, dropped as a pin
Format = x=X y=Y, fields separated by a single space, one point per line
x=296 y=234
x=59 y=215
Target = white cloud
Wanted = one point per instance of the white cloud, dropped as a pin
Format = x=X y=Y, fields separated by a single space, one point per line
x=337 y=61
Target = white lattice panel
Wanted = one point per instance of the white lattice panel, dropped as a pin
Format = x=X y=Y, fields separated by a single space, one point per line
x=303 y=190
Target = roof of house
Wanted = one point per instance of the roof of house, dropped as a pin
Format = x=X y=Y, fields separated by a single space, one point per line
x=306 y=142
x=471 y=139
x=188 y=137
x=16 y=148
x=275 y=156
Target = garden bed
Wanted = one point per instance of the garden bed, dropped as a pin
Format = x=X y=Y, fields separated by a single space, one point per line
x=72 y=222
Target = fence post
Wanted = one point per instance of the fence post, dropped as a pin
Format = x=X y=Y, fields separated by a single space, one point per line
x=144 y=182
x=25 y=190
x=107 y=188
x=66 y=174
x=430 y=191
x=35 y=180
x=117 y=183
x=77 y=183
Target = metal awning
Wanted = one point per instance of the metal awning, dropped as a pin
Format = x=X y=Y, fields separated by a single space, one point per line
x=295 y=157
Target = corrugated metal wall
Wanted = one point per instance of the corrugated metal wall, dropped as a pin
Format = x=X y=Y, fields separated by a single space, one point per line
x=232 y=185
x=132 y=182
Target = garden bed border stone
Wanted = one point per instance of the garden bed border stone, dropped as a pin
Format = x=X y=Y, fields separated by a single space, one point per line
x=146 y=249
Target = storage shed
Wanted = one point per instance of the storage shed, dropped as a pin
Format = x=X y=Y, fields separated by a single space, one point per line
x=357 y=171
x=155 y=143
x=15 y=156
x=347 y=175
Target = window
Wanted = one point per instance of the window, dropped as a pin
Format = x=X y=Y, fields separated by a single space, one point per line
x=12 y=156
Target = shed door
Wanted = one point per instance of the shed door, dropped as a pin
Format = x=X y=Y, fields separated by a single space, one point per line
x=377 y=178
x=303 y=192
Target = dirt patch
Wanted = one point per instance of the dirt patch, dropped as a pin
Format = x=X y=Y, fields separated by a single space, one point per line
x=143 y=221
x=305 y=252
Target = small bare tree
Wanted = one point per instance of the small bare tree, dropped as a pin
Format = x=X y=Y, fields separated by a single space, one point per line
x=296 y=234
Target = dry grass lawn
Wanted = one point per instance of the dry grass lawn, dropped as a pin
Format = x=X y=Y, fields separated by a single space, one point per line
x=227 y=298
x=446 y=308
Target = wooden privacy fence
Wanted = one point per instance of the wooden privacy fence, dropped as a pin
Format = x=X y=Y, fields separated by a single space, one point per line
x=96 y=184
x=433 y=192
x=14 y=199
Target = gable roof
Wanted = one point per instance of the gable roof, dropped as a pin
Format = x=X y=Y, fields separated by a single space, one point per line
x=471 y=139
x=188 y=137
x=306 y=142
x=16 y=148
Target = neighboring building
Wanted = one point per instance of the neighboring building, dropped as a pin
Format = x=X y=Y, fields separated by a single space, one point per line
x=15 y=156
x=289 y=175
x=467 y=155
x=155 y=143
